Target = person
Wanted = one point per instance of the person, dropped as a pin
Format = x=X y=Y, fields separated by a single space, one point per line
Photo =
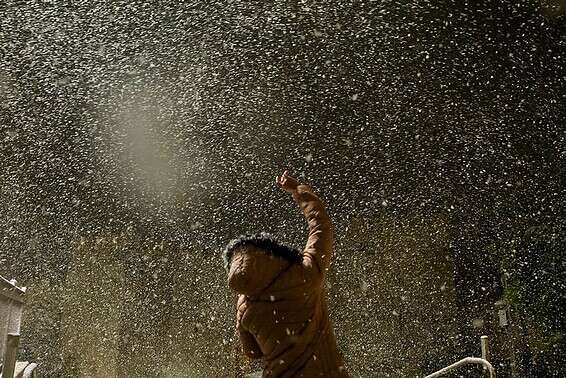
x=282 y=313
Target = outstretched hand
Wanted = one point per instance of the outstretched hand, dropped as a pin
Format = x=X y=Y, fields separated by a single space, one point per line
x=287 y=183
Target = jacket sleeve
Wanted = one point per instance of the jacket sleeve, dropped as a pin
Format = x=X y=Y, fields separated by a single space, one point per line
x=249 y=344
x=320 y=243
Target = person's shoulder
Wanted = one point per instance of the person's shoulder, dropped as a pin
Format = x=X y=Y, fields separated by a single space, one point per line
x=305 y=273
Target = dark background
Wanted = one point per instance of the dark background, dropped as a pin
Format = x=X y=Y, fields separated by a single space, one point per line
x=164 y=124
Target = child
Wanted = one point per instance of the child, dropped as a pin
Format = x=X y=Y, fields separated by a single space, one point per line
x=282 y=314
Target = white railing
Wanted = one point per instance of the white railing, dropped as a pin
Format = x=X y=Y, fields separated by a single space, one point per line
x=462 y=362
x=470 y=360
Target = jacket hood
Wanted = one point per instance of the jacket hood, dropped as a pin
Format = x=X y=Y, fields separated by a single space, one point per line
x=252 y=271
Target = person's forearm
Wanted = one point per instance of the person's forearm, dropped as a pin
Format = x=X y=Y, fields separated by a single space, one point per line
x=321 y=238
x=311 y=205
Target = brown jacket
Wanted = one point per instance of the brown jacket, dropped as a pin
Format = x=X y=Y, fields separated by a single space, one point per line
x=282 y=314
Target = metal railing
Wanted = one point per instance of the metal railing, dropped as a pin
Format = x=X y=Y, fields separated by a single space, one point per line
x=470 y=360
x=462 y=362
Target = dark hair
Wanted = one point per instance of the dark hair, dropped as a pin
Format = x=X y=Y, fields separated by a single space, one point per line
x=264 y=242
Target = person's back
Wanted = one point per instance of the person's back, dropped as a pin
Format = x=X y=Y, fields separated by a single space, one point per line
x=282 y=315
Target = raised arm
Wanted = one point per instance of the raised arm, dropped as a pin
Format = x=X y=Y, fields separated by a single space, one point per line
x=320 y=242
